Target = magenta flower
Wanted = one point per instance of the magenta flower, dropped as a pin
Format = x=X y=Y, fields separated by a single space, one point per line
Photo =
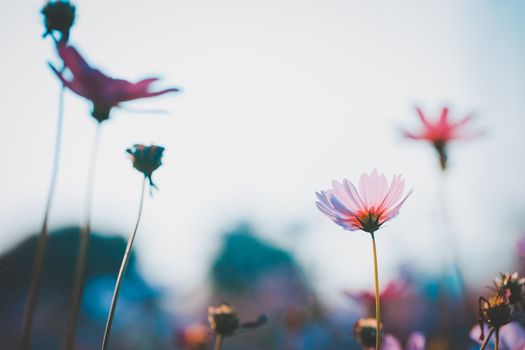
x=366 y=210
x=440 y=132
x=104 y=92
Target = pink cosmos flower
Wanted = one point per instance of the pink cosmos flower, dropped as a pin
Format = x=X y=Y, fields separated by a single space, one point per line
x=366 y=210
x=393 y=290
x=440 y=132
x=103 y=91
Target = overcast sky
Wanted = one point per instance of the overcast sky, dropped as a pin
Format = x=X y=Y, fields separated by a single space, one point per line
x=280 y=97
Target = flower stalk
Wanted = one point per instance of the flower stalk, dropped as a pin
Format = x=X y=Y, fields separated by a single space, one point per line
x=376 y=282
x=122 y=271
x=218 y=342
x=42 y=240
x=78 y=284
x=487 y=339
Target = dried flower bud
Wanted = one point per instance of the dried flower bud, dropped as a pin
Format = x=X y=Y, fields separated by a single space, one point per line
x=146 y=159
x=223 y=319
x=496 y=312
x=365 y=332
x=58 y=16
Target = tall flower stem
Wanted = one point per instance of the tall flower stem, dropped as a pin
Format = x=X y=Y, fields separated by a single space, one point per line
x=376 y=280
x=496 y=347
x=487 y=340
x=218 y=342
x=42 y=240
x=78 y=284
x=122 y=271
x=451 y=242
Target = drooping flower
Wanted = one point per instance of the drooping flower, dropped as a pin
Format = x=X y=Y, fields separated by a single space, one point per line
x=440 y=132
x=104 y=92
x=224 y=321
x=365 y=332
x=366 y=210
x=495 y=312
x=146 y=159
x=59 y=16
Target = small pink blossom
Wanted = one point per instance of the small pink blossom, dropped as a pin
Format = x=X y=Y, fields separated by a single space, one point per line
x=103 y=91
x=441 y=132
x=366 y=210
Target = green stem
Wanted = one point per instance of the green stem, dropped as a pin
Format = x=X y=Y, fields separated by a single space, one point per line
x=80 y=266
x=122 y=271
x=42 y=240
x=376 y=280
x=218 y=342
x=487 y=340
x=497 y=340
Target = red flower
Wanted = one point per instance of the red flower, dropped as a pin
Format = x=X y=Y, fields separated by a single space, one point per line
x=104 y=92
x=440 y=132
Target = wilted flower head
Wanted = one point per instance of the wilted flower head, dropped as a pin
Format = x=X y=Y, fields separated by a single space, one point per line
x=366 y=210
x=104 y=92
x=440 y=133
x=495 y=312
x=146 y=159
x=58 y=16
x=511 y=285
x=224 y=321
x=365 y=332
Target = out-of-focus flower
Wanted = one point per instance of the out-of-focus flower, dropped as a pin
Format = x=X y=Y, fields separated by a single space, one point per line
x=59 y=16
x=104 y=92
x=495 y=312
x=193 y=337
x=511 y=336
x=224 y=321
x=512 y=286
x=146 y=159
x=440 y=133
x=416 y=341
x=393 y=290
x=365 y=332
x=366 y=210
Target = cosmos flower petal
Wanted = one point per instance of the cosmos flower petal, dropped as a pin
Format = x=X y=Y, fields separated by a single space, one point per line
x=422 y=117
x=339 y=190
x=395 y=192
x=391 y=213
x=355 y=198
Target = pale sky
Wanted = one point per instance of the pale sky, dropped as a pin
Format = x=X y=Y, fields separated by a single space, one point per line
x=280 y=97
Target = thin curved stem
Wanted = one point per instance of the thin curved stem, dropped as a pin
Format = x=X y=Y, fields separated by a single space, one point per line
x=218 y=342
x=78 y=284
x=42 y=240
x=487 y=339
x=496 y=347
x=376 y=280
x=122 y=271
